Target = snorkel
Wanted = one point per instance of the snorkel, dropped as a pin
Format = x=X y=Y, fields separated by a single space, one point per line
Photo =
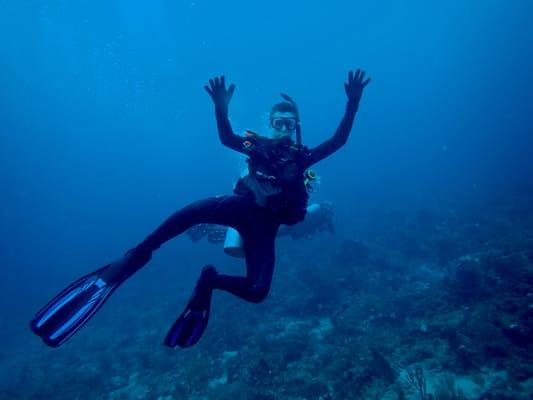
x=297 y=113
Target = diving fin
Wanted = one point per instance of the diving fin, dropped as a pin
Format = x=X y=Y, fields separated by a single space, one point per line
x=67 y=312
x=191 y=324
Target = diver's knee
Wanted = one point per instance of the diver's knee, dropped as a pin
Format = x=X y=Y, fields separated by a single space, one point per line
x=258 y=294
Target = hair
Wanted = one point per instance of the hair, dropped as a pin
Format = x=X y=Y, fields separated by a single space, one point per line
x=283 y=108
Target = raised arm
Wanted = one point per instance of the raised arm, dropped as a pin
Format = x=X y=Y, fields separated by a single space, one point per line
x=354 y=90
x=221 y=98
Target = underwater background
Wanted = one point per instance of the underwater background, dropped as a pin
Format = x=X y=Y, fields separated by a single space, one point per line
x=425 y=290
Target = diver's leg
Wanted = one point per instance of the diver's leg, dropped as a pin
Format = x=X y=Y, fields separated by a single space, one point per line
x=68 y=311
x=259 y=250
x=220 y=210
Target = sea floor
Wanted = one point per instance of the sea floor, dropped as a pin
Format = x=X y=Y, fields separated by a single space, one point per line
x=431 y=304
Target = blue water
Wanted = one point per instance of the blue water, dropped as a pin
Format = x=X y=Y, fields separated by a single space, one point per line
x=105 y=130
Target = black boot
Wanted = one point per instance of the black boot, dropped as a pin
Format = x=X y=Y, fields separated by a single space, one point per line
x=124 y=267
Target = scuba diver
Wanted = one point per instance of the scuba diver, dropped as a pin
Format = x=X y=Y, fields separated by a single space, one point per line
x=272 y=193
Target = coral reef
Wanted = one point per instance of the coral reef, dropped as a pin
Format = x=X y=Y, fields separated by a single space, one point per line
x=435 y=304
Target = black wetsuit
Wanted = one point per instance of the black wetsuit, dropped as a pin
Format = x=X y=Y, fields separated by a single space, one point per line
x=273 y=193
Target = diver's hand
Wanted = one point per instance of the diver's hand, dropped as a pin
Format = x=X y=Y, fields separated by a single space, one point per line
x=355 y=85
x=218 y=92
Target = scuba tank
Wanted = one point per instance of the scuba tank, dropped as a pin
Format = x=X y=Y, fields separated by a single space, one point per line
x=233 y=243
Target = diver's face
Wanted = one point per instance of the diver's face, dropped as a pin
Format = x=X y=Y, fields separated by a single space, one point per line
x=283 y=124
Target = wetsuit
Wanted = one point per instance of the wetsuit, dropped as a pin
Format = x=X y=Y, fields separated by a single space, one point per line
x=273 y=193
